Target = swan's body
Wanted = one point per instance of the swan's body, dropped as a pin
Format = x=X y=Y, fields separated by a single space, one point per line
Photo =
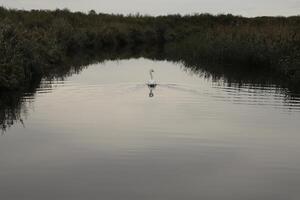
x=151 y=83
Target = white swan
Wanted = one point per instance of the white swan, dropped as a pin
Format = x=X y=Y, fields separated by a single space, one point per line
x=151 y=83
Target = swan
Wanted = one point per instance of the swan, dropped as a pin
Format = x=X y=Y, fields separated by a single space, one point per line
x=151 y=83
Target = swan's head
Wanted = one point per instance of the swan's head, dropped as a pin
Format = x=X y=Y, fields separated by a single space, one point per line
x=151 y=70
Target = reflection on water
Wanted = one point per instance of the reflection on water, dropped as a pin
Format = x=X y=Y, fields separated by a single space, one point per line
x=13 y=109
x=151 y=94
x=151 y=89
x=14 y=105
x=202 y=135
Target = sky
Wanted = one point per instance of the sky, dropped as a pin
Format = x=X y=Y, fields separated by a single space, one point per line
x=247 y=8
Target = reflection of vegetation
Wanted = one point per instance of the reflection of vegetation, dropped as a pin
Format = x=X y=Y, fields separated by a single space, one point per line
x=36 y=42
x=10 y=110
x=13 y=107
x=55 y=44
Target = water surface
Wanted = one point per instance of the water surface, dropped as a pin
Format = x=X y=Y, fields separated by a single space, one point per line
x=98 y=135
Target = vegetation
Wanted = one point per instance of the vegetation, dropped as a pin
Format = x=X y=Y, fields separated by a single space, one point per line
x=32 y=43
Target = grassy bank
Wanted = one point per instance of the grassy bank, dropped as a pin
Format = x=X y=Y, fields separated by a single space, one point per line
x=32 y=43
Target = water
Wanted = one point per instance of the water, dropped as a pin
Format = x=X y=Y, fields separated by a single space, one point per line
x=98 y=135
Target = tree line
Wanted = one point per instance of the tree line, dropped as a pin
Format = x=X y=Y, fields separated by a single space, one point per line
x=32 y=43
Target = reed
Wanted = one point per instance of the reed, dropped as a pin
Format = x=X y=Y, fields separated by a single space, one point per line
x=34 y=42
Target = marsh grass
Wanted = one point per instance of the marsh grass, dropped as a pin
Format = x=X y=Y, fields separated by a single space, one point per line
x=32 y=43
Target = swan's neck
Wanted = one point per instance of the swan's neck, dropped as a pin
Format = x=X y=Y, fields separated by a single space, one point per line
x=151 y=75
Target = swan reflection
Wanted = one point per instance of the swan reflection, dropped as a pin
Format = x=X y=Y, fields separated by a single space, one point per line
x=151 y=94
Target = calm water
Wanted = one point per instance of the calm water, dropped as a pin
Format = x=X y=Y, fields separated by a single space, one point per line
x=98 y=135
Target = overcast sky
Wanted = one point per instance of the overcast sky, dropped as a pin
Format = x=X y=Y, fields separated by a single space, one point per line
x=162 y=7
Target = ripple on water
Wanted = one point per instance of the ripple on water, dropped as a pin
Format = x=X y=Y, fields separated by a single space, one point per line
x=194 y=138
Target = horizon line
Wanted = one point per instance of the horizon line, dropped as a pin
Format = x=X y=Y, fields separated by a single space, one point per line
x=146 y=14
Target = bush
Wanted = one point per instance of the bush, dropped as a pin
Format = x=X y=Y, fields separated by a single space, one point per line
x=34 y=42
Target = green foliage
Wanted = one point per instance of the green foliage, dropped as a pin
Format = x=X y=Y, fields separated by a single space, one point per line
x=34 y=42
